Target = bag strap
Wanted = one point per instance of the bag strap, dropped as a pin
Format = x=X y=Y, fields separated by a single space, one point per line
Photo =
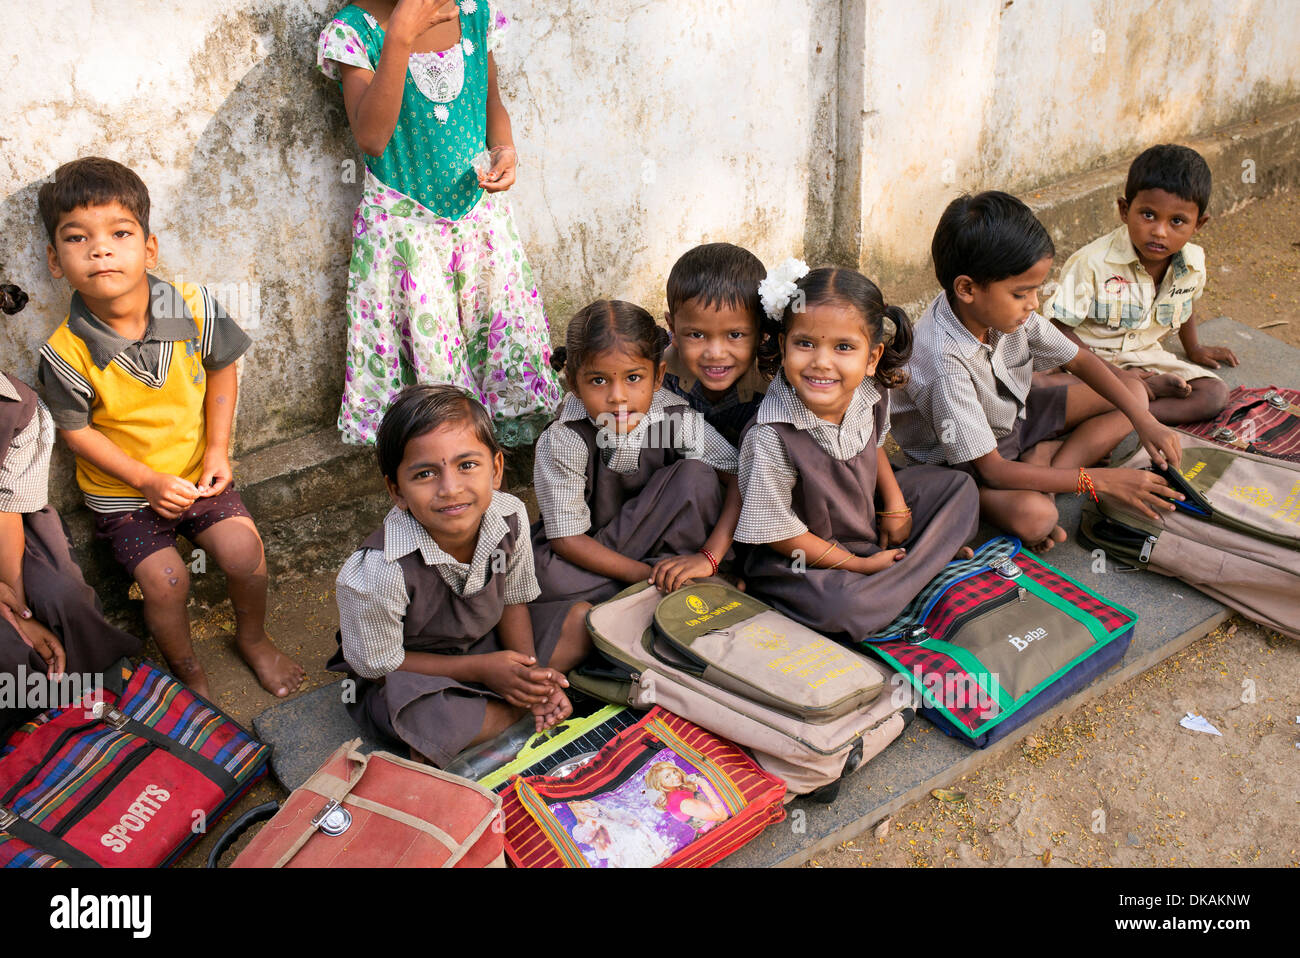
x=119 y=721
x=40 y=839
x=332 y=788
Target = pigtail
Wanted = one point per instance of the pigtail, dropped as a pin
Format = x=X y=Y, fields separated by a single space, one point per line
x=891 y=371
x=768 y=354
x=558 y=357
x=659 y=341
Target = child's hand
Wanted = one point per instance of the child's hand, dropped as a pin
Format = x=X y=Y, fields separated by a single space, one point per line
x=1160 y=442
x=502 y=175
x=670 y=574
x=169 y=496
x=1211 y=356
x=894 y=530
x=554 y=710
x=47 y=646
x=879 y=562
x=412 y=18
x=513 y=677
x=1143 y=490
x=216 y=474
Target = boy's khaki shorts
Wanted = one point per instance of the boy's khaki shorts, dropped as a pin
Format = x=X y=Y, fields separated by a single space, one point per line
x=1155 y=359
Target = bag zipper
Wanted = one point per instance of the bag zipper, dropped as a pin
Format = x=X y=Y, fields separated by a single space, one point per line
x=1017 y=594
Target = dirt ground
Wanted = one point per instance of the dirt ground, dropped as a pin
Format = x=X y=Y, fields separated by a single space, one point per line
x=1117 y=782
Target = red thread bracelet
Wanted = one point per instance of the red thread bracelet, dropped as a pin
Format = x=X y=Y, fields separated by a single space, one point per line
x=1085 y=484
x=712 y=561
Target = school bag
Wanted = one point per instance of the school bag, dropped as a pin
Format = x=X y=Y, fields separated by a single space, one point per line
x=1258 y=577
x=520 y=750
x=1264 y=421
x=129 y=780
x=663 y=793
x=374 y=810
x=639 y=667
x=1256 y=495
x=996 y=640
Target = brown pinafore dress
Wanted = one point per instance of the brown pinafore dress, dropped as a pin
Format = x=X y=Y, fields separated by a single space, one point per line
x=835 y=499
x=436 y=715
x=56 y=592
x=667 y=507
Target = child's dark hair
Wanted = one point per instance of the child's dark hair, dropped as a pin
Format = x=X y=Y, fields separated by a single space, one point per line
x=722 y=274
x=988 y=237
x=603 y=325
x=847 y=287
x=92 y=181
x=417 y=410
x=1175 y=169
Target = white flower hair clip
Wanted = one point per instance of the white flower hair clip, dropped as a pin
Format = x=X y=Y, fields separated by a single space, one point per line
x=778 y=288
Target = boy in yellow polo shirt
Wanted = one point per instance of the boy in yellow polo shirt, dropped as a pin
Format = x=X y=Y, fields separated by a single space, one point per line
x=141 y=381
x=1122 y=293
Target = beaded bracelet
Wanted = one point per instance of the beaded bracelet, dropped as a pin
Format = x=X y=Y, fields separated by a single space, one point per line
x=712 y=561
x=895 y=513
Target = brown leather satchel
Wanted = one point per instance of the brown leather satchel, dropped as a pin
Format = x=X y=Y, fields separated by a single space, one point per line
x=380 y=811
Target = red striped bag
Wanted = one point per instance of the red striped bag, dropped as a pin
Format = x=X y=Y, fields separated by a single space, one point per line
x=662 y=793
x=1264 y=421
x=122 y=781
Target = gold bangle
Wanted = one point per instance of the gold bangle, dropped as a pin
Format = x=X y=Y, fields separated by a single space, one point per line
x=824 y=554
x=842 y=561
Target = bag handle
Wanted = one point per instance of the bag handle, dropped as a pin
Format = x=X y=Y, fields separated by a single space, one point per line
x=242 y=824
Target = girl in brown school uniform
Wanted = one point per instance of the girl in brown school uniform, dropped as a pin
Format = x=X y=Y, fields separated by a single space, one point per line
x=50 y=619
x=627 y=477
x=433 y=608
x=842 y=542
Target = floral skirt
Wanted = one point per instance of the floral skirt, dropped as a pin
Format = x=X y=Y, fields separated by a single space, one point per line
x=433 y=300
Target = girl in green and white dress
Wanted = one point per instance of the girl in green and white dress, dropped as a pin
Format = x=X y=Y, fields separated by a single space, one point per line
x=439 y=287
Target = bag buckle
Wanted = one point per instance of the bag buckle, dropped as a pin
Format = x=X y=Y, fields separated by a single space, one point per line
x=110 y=715
x=333 y=819
x=1276 y=399
x=7 y=817
x=1005 y=567
x=1224 y=434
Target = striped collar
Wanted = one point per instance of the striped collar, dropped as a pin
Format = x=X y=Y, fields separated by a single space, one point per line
x=8 y=390
x=170 y=321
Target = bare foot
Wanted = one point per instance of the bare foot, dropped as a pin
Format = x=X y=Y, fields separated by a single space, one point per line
x=965 y=552
x=278 y=673
x=1167 y=386
x=1054 y=538
x=190 y=674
